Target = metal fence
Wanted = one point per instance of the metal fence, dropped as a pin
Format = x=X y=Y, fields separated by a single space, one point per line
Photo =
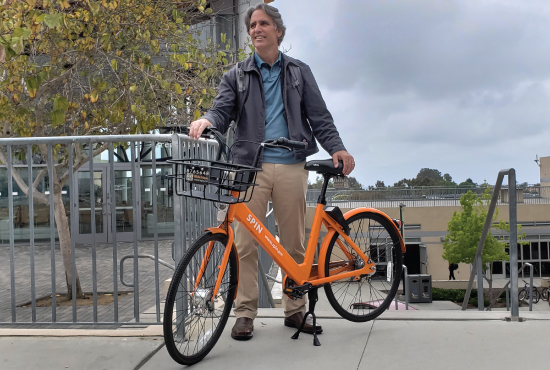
x=37 y=270
x=120 y=221
x=422 y=196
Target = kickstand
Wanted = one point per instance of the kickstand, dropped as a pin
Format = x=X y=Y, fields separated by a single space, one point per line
x=313 y=297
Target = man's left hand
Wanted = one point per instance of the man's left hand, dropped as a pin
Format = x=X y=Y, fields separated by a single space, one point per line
x=346 y=158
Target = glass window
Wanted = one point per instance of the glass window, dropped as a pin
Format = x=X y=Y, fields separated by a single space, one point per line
x=526 y=252
x=535 y=250
x=497 y=267
x=544 y=250
x=165 y=211
x=545 y=269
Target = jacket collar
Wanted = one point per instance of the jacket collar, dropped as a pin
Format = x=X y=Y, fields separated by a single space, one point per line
x=249 y=64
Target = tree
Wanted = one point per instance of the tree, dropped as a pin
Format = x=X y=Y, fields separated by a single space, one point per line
x=100 y=67
x=318 y=184
x=427 y=177
x=379 y=184
x=469 y=183
x=465 y=228
x=354 y=184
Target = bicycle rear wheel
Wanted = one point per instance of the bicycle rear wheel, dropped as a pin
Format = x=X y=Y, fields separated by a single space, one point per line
x=193 y=321
x=367 y=298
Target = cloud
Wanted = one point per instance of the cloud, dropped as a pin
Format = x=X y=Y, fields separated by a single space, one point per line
x=462 y=86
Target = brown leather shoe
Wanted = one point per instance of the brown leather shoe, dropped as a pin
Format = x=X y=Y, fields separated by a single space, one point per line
x=295 y=321
x=243 y=329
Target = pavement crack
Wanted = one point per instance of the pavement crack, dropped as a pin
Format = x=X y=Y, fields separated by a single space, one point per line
x=149 y=356
x=365 y=348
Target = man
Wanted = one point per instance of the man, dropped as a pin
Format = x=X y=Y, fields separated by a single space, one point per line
x=452 y=268
x=272 y=107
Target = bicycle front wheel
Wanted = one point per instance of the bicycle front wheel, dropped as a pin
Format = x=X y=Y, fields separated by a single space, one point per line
x=536 y=296
x=193 y=317
x=364 y=299
x=522 y=295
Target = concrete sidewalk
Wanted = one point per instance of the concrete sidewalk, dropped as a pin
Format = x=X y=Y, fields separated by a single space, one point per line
x=422 y=339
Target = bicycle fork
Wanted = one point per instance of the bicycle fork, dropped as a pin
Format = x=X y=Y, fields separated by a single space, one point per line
x=221 y=267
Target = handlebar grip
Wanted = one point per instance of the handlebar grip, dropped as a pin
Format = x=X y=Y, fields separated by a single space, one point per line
x=291 y=144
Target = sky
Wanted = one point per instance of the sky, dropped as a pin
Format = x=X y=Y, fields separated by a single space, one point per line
x=461 y=86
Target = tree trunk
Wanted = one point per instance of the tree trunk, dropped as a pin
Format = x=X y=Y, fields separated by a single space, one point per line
x=65 y=243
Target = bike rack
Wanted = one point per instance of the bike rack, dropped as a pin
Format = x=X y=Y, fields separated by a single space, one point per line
x=406 y=286
x=162 y=262
x=507 y=288
x=477 y=268
x=531 y=287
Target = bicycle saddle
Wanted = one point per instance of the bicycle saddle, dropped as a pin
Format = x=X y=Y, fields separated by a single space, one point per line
x=325 y=166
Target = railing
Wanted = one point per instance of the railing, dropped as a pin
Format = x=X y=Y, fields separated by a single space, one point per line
x=477 y=265
x=94 y=258
x=423 y=196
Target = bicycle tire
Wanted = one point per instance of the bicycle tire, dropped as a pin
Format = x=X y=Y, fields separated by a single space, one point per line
x=544 y=294
x=536 y=296
x=377 y=239
x=191 y=333
x=522 y=295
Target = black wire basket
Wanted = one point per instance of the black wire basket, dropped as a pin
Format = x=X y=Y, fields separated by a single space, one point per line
x=214 y=180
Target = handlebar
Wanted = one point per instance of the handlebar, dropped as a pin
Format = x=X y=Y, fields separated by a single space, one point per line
x=284 y=143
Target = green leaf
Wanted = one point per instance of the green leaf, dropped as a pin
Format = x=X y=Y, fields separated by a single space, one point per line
x=57 y=117
x=53 y=20
x=223 y=38
x=114 y=64
x=33 y=82
x=105 y=38
x=133 y=88
x=94 y=7
x=134 y=108
x=10 y=53
x=177 y=88
x=61 y=103
x=40 y=18
x=21 y=112
x=22 y=32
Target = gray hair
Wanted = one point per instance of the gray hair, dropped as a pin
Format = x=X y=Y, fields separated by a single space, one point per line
x=272 y=12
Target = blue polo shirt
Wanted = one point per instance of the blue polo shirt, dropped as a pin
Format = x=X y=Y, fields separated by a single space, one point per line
x=275 y=123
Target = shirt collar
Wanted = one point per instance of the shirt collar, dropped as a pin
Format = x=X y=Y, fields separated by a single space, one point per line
x=260 y=62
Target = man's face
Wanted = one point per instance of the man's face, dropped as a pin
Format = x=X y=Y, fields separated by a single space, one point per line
x=262 y=31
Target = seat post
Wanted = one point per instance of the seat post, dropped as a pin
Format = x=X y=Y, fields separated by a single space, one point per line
x=321 y=199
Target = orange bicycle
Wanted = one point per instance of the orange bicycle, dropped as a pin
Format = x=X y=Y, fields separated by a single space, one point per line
x=359 y=263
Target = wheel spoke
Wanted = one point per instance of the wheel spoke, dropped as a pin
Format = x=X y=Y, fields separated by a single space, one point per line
x=193 y=317
x=368 y=297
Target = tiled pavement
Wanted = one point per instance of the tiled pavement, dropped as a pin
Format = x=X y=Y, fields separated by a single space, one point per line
x=104 y=263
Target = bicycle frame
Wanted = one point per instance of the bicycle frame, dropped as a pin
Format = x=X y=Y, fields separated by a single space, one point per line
x=306 y=271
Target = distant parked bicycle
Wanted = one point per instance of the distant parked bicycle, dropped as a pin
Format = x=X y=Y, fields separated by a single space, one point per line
x=544 y=293
x=524 y=293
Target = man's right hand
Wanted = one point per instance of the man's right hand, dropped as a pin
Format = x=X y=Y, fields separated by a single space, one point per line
x=197 y=127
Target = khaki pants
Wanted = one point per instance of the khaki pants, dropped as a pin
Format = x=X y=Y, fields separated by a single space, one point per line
x=286 y=186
